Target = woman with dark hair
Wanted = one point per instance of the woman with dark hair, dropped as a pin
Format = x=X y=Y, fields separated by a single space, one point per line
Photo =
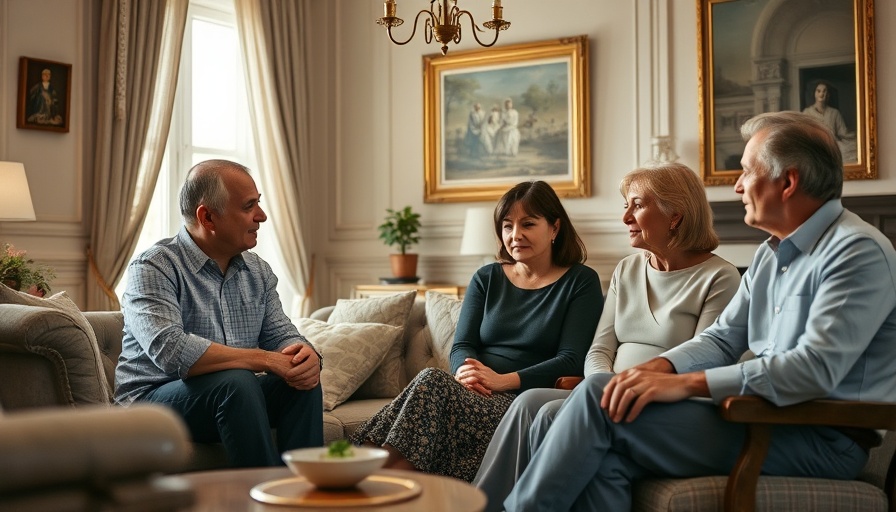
x=526 y=320
x=659 y=297
x=822 y=100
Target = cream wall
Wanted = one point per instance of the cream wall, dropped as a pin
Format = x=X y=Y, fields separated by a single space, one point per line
x=367 y=113
x=369 y=108
x=58 y=165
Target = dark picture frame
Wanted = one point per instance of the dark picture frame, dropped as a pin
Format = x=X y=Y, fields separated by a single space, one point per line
x=760 y=56
x=40 y=106
x=542 y=132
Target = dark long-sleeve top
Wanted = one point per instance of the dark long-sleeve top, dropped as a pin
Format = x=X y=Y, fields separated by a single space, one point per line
x=541 y=334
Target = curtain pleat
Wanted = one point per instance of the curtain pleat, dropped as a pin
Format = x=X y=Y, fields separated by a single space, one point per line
x=273 y=36
x=139 y=56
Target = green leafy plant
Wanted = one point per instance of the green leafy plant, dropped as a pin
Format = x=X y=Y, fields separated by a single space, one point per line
x=340 y=449
x=21 y=273
x=400 y=228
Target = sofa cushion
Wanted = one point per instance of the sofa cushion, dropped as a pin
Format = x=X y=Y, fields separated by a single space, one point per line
x=341 y=422
x=442 y=313
x=351 y=352
x=86 y=366
x=385 y=382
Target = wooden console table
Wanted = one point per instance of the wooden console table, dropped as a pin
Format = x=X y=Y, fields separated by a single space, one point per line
x=363 y=291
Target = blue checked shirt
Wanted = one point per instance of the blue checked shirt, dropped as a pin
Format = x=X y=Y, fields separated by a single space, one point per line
x=818 y=309
x=178 y=302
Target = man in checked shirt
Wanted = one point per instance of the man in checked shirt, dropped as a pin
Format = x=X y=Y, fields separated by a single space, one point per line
x=203 y=320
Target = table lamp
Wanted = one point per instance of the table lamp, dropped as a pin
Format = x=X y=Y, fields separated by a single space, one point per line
x=479 y=234
x=15 y=197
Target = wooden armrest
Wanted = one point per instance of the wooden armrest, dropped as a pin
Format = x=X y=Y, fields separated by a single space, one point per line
x=760 y=414
x=834 y=413
x=568 y=382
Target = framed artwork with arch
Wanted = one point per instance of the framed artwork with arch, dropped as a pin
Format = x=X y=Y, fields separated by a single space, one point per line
x=811 y=56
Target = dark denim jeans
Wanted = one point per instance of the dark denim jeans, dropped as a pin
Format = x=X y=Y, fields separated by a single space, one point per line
x=239 y=408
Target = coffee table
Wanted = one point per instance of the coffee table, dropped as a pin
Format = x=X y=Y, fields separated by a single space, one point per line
x=228 y=490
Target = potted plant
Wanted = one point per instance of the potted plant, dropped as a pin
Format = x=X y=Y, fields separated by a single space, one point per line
x=19 y=272
x=400 y=230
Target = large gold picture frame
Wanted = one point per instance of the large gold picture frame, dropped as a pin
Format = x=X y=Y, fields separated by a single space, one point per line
x=760 y=56
x=495 y=117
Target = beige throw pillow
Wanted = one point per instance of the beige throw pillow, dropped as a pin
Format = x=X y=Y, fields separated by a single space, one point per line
x=351 y=351
x=87 y=377
x=385 y=382
x=442 y=313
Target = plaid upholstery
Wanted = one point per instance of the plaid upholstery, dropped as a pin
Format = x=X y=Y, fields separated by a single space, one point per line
x=772 y=494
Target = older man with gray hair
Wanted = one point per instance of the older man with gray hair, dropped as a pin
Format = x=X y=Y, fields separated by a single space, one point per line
x=205 y=332
x=818 y=308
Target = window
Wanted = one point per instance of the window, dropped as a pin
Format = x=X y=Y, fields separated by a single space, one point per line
x=210 y=120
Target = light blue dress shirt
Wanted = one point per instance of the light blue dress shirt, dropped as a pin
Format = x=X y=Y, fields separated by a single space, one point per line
x=178 y=302
x=818 y=309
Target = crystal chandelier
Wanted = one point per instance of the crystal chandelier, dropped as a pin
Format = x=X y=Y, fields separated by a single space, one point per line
x=443 y=22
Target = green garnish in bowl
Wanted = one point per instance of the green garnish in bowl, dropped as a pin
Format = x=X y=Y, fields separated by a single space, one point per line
x=340 y=449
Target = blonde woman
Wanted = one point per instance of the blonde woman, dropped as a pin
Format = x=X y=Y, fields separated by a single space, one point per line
x=658 y=298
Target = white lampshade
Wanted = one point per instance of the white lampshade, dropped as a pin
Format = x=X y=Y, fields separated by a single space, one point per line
x=15 y=198
x=479 y=233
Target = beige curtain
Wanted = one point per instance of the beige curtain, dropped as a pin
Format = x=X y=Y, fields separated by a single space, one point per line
x=274 y=40
x=139 y=55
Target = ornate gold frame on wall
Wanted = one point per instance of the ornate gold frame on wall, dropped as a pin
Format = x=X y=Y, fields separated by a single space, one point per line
x=554 y=120
x=781 y=76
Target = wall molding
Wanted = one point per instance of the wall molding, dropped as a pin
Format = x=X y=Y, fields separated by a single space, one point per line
x=653 y=108
x=879 y=211
x=343 y=272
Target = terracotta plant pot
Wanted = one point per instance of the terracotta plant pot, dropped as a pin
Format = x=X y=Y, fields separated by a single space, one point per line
x=404 y=265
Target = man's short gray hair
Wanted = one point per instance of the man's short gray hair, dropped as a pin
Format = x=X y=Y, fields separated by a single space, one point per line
x=798 y=141
x=205 y=186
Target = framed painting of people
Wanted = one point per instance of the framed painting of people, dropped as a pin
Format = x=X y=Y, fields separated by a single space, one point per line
x=760 y=56
x=495 y=117
x=45 y=90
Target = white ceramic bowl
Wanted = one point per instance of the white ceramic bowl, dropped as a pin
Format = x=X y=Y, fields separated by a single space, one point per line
x=335 y=472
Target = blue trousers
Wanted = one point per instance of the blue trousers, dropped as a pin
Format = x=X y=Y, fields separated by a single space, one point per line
x=584 y=461
x=508 y=452
x=239 y=408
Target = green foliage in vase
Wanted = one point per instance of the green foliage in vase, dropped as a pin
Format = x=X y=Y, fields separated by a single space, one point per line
x=21 y=273
x=400 y=228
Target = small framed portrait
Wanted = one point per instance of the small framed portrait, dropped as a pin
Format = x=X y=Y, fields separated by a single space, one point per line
x=45 y=89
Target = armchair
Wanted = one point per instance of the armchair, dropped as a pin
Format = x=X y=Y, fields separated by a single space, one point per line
x=745 y=490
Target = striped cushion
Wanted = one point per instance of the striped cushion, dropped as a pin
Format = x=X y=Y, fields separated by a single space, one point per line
x=772 y=494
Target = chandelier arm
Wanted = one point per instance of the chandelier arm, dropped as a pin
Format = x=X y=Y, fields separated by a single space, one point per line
x=476 y=28
x=414 y=31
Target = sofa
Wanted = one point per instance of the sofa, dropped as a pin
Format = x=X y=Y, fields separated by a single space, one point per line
x=93 y=458
x=50 y=358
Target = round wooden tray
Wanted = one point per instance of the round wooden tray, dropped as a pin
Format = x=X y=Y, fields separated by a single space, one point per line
x=373 y=490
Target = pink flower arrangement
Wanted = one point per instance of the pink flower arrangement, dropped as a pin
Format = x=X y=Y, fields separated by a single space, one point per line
x=21 y=273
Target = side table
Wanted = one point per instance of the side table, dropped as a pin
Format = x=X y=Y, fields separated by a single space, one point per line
x=363 y=291
x=228 y=490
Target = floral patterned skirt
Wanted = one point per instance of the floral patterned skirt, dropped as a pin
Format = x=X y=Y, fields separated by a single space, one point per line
x=437 y=424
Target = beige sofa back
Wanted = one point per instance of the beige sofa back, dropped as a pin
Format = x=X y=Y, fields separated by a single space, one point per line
x=46 y=359
x=38 y=347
